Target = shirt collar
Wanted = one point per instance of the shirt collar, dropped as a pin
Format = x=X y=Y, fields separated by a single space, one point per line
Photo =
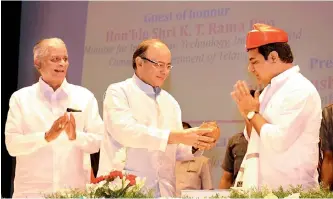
x=284 y=75
x=148 y=89
x=47 y=89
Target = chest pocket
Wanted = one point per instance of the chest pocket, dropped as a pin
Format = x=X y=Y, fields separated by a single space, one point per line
x=192 y=167
x=79 y=120
x=192 y=175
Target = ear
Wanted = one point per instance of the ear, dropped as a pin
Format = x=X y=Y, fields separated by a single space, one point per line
x=37 y=64
x=138 y=61
x=273 y=57
x=250 y=67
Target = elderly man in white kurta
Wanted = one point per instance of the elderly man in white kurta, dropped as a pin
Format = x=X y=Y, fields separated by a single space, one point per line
x=144 y=122
x=283 y=123
x=51 y=146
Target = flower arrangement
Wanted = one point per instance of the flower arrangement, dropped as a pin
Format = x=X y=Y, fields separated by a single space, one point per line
x=291 y=193
x=114 y=185
x=266 y=193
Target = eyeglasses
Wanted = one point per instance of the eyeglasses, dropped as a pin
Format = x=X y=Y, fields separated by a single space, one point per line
x=159 y=65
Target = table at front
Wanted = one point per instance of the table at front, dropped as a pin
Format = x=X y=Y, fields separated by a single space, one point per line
x=197 y=194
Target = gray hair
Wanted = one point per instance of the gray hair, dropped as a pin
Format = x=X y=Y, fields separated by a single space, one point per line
x=40 y=49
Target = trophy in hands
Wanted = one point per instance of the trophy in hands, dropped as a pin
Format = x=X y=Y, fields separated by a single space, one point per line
x=216 y=130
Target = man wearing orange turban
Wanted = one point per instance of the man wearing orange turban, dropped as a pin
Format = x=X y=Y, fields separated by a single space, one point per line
x=282 y=125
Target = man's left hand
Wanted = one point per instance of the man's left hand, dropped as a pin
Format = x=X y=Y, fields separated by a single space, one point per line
x=245 y=102
x=71 y=128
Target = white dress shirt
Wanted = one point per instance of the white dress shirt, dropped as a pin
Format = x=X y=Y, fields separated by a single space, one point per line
x=41 y=166
x=139 y=118
x=288 y=144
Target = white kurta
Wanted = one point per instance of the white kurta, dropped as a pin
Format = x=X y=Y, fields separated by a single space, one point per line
x=288 y=145
x=41 y=166
x=139 y=118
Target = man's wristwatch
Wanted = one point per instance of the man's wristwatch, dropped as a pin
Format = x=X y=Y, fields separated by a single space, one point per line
x=251 y=114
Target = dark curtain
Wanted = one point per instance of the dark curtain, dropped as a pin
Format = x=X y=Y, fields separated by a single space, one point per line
x=10 y=40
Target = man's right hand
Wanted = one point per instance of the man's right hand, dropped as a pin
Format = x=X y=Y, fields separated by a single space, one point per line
x=194 y=137
x=57 y=127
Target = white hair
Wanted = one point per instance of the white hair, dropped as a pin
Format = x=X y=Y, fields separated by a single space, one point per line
x=40 y=49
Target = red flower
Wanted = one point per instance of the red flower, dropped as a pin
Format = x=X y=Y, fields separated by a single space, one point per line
x=131 y=178
x=115 y=174
x=98 y=179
